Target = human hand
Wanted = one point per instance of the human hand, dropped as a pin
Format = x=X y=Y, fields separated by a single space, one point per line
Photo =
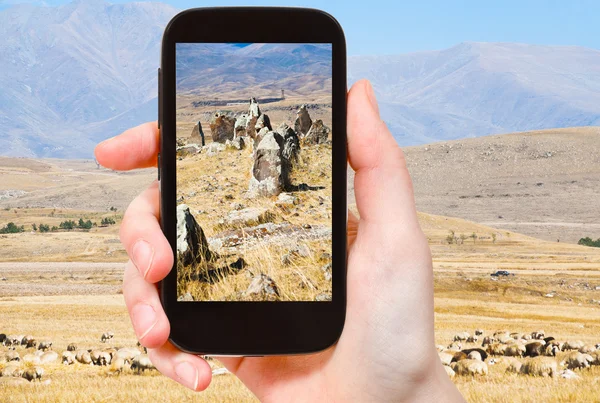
x=386 y=351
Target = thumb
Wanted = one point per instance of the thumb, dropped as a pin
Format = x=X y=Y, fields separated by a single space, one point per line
x=382 y=184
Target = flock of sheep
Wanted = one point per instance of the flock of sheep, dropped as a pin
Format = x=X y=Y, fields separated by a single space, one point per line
x=28 y=363
x=523 y=353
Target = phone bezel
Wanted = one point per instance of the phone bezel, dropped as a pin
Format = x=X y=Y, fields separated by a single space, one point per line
x=254 y=328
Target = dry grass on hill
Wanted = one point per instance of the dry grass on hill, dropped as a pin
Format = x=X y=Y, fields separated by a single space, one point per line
x=212 y=185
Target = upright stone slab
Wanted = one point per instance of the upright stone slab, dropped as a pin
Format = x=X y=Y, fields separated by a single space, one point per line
x=318 y=133
x=197 y=135
x=192 y=247
x=303 y=121
x=270 y=171
x=222 y=127
x=291 y=143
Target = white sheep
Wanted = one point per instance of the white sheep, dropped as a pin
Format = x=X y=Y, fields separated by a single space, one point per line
x=470 y=367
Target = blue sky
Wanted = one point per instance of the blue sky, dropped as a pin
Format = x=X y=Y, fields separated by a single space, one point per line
x=393 y=26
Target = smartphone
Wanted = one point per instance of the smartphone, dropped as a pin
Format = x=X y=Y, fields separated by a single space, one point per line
x=252 y=171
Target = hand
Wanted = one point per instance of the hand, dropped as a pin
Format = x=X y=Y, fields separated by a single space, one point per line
x=386 y=351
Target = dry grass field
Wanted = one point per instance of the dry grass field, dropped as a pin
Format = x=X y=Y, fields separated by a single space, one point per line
x=76 y=298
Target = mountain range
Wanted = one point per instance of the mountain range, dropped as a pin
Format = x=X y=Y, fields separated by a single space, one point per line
x=76 y=74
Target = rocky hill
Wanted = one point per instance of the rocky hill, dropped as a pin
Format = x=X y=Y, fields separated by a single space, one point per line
x=539 y=183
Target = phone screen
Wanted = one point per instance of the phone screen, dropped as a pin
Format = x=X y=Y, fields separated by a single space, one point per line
x=254 y=171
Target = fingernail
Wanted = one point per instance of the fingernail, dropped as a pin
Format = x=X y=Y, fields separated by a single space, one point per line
x=372 y=97
x=144 y=318
x=187 y=374
x=142 y=256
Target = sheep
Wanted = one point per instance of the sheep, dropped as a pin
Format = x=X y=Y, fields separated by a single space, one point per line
x=474 y=355
x=572 y=345
x=446 y=358
x=26 y=340
x=487 y=340
x=458 y=356
x=440 y=348
x=48 y=357
x=514 y=350
x=540 y=334
x=480 y=351
x=83 y=357
x=514 y=365
x=534 y=349
x=450 y=371
x=551 y=350
x=548 y=339
x=100 y=357
x=496 y=349
x=118 y=365
x=587 y=349
x=596 y=358
x=516 y=336
x=472 y=339
x=12 y=370
x=470 y=367
x=72 y=347
x=455 y=346
x=68 y=358
x=31 y=343
x=128 y=353
x=576 y=360
x=32 y=358
x=540 y=366
x=2 y=338
x=478 y=332
x=141 y=363
x=13 y=340
x=12 y=356
x=499 y=333
x=145 y=350
x=45 y=346
x=106 y=336
x=31 y=374
x=505 y=339
x=461 y=336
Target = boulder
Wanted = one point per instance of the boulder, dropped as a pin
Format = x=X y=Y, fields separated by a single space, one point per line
x=222 y=127
x=249 y=216
x=188 y=149
x=262 y=288
x=318 y=133
x=214 y=148
x=303 y=121
x=327 y=271
x=187 y=297
x=191 y=241
x=286 y=200
x=323 y=297
x=238 y=143
x=197 y=135
x=270 y=171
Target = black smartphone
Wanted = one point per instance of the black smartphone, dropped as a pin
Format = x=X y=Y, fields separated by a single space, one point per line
x=252 y=169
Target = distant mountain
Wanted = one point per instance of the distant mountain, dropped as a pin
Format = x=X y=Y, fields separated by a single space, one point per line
x=226 y=69
x=475 y=89
x=73 y=75
x=66 y=70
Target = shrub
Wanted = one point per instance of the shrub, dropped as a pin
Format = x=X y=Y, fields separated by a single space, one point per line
x=44 y=228
x=587 y=241
x=68 y=225
x=12 y=228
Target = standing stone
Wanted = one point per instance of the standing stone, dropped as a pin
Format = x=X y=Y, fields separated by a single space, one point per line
x=303 y=121
x=222 y=127
x=291 y=143
x=260 y=134
x=262 y=122
x=241 y=125
x=254 y=108
x=192 y=247
x=197 y=134
x=318 y=133
x=270 y=172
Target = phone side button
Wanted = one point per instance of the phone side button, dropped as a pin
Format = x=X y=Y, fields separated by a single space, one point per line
x=158 y=163
x=159 y=106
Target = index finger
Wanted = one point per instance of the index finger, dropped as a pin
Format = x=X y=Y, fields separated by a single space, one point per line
x=135 y=148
